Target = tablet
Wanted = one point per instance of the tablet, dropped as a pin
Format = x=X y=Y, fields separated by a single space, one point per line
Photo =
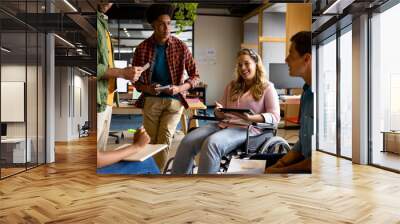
x=237 y=110
x=161 y=88
x=144 y=153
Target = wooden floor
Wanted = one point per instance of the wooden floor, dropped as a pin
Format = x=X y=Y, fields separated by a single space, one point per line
x=69 y=191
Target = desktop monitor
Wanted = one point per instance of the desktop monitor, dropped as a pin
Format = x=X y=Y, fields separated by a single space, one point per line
x=3 y=129
x=279 y=76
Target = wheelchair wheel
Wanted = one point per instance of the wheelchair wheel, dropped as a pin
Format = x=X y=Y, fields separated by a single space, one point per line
x=168 y=166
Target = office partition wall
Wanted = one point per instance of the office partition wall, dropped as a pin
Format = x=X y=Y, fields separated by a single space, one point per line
x=22 y=77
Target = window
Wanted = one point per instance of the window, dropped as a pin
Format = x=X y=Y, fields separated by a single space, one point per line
x=346 y=93
x=326 y=90
x=385 y=88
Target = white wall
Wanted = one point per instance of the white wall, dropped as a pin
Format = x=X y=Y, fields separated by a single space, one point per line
x=17 y=73
x=274 y=24
x=221 y=35
x=71 y=96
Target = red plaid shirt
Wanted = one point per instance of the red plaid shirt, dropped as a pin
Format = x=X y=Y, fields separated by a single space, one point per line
x=179 y=58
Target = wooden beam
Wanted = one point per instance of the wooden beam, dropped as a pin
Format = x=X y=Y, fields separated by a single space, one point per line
x=256 y=11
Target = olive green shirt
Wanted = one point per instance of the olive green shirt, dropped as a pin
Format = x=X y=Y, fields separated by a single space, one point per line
x=102 y=61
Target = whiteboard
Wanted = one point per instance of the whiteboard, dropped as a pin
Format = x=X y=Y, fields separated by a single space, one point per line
x=12 y=101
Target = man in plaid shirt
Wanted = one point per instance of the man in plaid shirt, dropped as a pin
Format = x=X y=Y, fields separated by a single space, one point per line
x=168 y=57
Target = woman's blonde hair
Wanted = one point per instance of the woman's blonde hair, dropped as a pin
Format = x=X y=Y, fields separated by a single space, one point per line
x=238 y=86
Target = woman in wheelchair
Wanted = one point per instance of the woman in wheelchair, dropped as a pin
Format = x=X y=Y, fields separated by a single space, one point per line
x=250 y=90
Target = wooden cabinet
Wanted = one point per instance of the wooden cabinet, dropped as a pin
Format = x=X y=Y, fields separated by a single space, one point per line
x=298 y=18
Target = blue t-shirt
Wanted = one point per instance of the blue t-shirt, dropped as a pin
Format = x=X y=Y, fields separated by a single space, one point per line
x=160 y=73
x=303 y=145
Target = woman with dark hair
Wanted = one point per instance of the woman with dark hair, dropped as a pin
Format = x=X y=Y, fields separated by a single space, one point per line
x=250 y=90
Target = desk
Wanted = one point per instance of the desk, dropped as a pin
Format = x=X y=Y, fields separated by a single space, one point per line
x=194 y=105
x=126 y=109
x=291 y=108
x=13 y=150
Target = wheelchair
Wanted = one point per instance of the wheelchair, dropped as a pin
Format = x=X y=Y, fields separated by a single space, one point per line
x=264 y=145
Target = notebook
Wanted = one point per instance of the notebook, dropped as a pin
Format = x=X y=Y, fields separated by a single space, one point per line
x=147 y=152
x=246 y=166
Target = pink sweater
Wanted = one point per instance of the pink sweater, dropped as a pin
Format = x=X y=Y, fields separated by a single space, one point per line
x=267 y=106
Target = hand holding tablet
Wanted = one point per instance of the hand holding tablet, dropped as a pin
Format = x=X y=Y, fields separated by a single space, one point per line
x=162 y=88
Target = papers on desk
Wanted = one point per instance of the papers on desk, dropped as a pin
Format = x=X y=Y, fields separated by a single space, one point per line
x=246 y=166
x=144 y=154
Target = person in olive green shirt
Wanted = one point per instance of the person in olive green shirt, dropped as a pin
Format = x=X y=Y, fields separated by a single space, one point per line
x=107 y=75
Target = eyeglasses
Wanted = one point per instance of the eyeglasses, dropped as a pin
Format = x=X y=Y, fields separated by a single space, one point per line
x=251 y=52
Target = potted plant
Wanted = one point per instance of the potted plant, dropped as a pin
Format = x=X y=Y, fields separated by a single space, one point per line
x=185 y=15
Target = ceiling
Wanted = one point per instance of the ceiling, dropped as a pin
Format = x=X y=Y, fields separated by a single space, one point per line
x=136 y=9
x=74 y=21
x=329 y=16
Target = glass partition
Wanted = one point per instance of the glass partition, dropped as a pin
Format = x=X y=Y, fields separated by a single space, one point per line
x=327 y=96
x=346 y=93
x=22 y=89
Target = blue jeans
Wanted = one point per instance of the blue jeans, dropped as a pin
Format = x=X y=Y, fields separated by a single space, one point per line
x=212 y=142
x=126 y=167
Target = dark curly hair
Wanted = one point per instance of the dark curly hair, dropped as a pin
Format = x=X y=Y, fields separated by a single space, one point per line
x=156 y=10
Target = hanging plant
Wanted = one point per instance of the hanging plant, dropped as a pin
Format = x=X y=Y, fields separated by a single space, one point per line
x=185 y=15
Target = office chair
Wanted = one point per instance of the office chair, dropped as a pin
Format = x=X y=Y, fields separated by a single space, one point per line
x=262 y=146
x=84 y=130
x=116 y=136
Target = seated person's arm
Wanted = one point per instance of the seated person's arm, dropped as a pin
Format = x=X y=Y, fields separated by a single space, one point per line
x=218 y=114
x=221 y=104
x=271 y=108
x=293 y=161
x=141 y=139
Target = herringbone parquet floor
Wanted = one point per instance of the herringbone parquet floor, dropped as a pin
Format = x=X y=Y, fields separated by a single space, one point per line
x=69 y=191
